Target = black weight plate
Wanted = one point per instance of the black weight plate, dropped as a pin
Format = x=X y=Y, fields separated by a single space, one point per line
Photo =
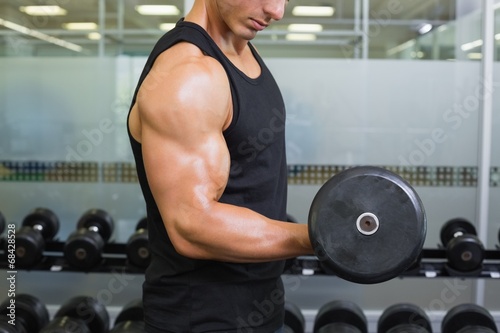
x=29 y=247
x=129 y=327
x=339 y=328
x=465 y=253
x=453 y=227
x=5 y=327
x=44 y=217
x=352 y=255
x=132 y=311
x=403 y=315
x=97 y=218
x=88 y=309
x=31 y=313
x=137 y=249
x=66 y=324
x=294 y=319
x=467 y=315
x=476 y=329
x=2 y=223
x=339 y=311
x=142 y=224
x=83 y=249
x=408 y=329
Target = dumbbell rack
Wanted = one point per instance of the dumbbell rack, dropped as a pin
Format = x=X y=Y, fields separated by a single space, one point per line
x=114 y=259
x=432 y=264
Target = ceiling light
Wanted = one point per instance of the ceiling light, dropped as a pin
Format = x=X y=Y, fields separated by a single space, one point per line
x=301 y=37
x=167 y=26
x=313 y=11
x=43 y=10
x=424 y=28
x=40 y=35
x=157 y=10
x=305 y=27
x=471 y=45
x=80 y=26
x=94 y=36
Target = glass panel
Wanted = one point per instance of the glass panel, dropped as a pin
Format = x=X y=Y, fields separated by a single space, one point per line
x=493 y=240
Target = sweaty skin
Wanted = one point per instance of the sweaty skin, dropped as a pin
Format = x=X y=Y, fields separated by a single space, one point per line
x=185 y=155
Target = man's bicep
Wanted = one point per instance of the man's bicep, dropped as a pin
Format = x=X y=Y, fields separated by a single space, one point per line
x=185 y=154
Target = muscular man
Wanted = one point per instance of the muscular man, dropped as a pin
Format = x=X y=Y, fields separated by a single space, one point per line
x=207 y=129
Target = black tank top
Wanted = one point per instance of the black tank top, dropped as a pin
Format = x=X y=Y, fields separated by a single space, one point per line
x=185 y=295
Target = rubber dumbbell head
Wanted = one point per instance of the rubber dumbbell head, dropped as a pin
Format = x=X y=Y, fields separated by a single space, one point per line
x=66 y=325
x=130 y=319
x=137 y=247
x=29 y=312
x=79 y=314
x=294 y=319
x=340 y=317
x=356 y=214
x=83 y=248
x=464 y=251
x=39 y=226
x=468 y=318
x=404 y=318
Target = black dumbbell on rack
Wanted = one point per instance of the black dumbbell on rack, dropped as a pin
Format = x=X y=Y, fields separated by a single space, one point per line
x=27 y=312
x=82 y=314
x=130 y=319
x=84 y=247
x=404 y=318
x=468 y=318
x=498 y=239
x=38 y=227
x=340 y=317
x=294 y=319
x=137 y=247
x=464 y=250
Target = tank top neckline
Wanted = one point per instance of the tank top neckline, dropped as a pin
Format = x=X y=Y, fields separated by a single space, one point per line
x=249 y=79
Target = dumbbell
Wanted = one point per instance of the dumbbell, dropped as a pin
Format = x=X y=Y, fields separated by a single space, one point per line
x=137 y=247
x=294 y=319
x=468 y=318
x=340 y=317
x=464 y=251
x=404 y=318
x=130 y=319
x=82 y=314
x=39 y=226
x=83 y=248
x=27 y=312
x=357 y=219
